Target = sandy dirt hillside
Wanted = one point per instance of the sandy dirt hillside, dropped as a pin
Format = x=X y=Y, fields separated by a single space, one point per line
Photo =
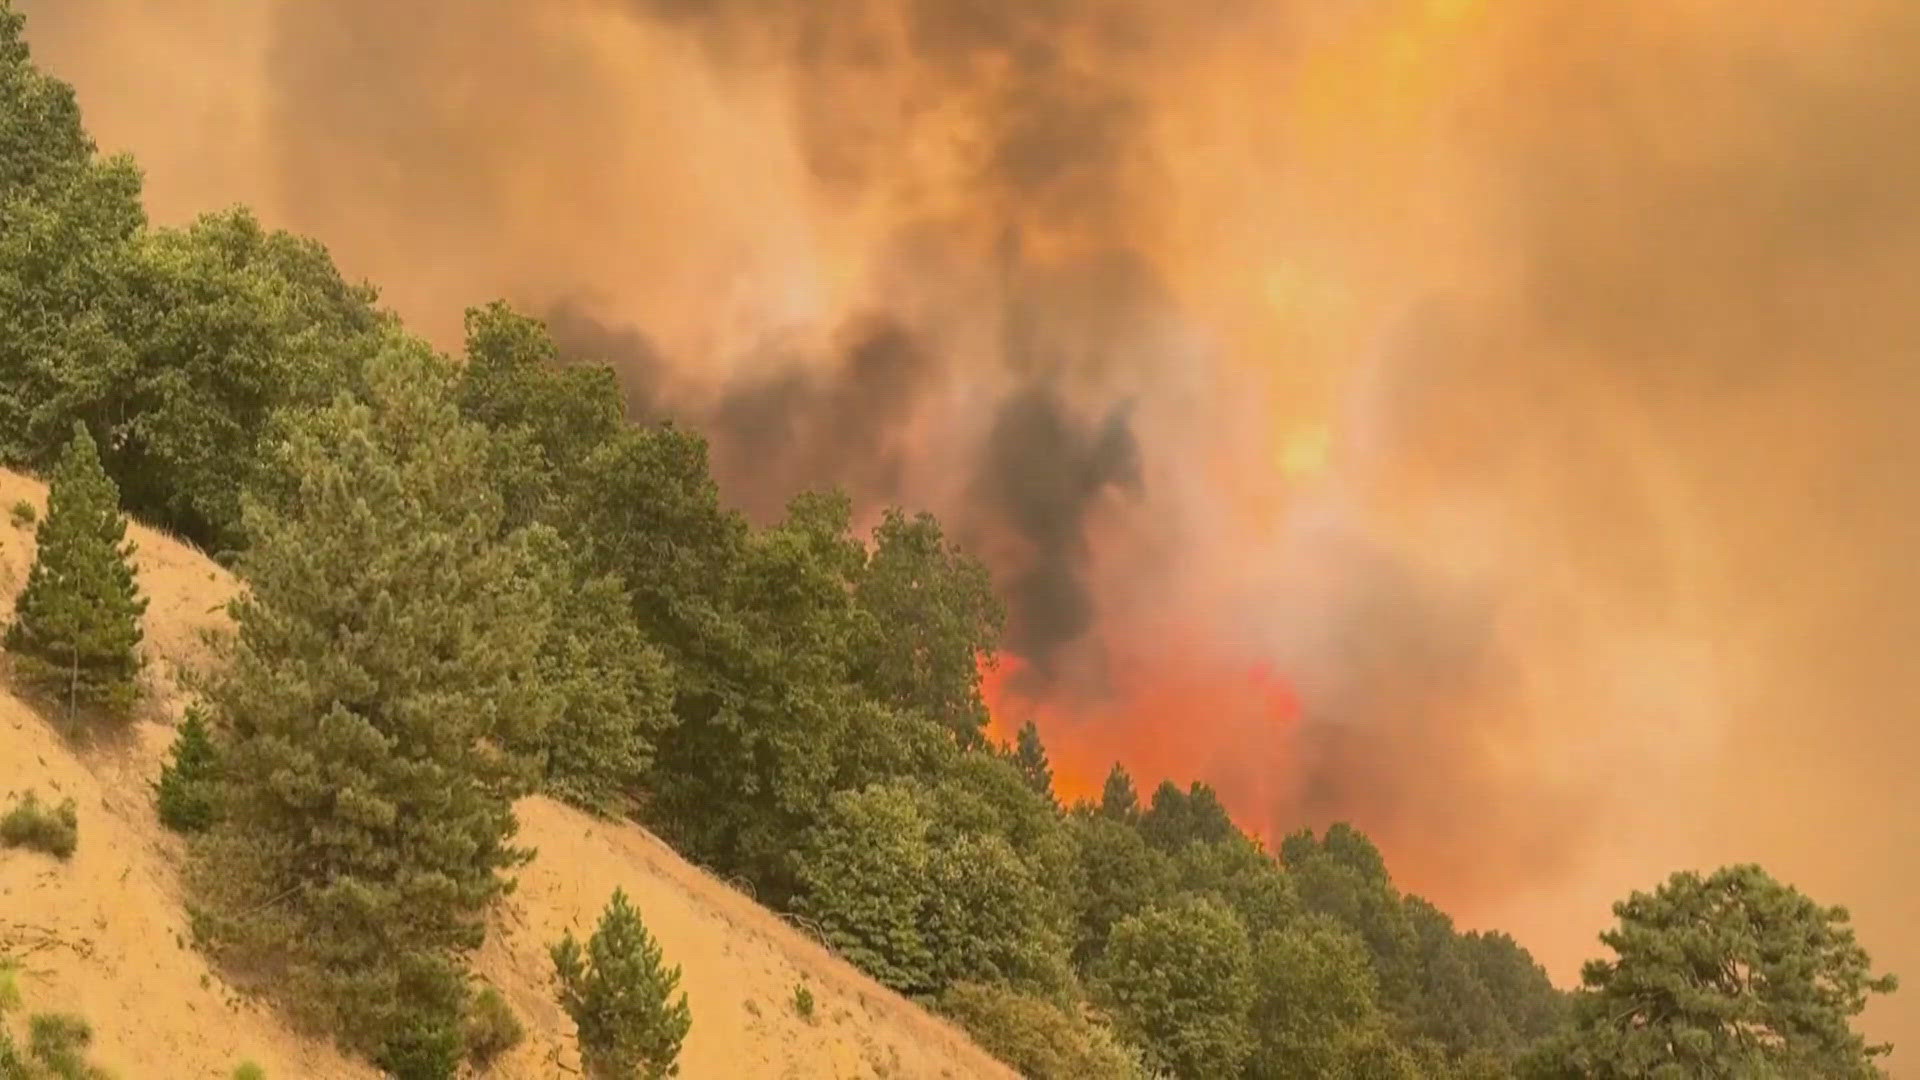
x=104 y=934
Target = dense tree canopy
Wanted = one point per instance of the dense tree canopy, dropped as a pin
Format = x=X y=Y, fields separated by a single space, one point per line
x=1179 y=979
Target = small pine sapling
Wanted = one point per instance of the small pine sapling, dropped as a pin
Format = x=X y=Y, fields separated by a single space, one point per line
x=619 y=993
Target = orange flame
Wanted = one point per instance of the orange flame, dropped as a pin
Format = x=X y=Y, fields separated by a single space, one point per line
x=1167 y=715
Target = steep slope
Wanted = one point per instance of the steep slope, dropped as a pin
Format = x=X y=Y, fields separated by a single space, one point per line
x=104 y=935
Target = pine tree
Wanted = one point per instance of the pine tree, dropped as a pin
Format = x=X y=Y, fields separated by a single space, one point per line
x=386 y=655
x=617 y=990
x=1118 y=799
x=186 y=794
x=76 y=627
x=1031 y=756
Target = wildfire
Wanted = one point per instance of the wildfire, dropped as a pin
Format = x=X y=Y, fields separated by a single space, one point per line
x=1164 y=715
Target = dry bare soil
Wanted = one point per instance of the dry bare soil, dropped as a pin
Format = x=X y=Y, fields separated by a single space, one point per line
x=105 y=934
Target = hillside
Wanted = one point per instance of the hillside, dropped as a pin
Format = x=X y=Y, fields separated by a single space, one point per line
x=104 y=935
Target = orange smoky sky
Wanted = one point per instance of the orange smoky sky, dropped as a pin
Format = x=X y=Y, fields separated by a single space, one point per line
x=1488 y=423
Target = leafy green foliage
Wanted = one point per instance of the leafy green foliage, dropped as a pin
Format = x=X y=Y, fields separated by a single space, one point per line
x=175 y=346
x=1314 y=1009
x=1244 y=877
x=1178 y=979
x=492 y=1028
x=23 y=514
x=931 y=613
x=232 y=324
x=187 y=794
x=548 y=419
x=31 y=824
x=1729 y=975
x=12 y=1065
x=68 y=223
x=1121 y=876
x=76 y=625
x=248 y=1070
x=757 y=750
x=385 y=660
x=613 y=697
x=865 y=875
x=988 y=918
x=619 y=994
x=1038 y=1036
x=803 y=1002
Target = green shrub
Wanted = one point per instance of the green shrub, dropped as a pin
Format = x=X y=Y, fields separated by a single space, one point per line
x=618 y=992
x=803 y=1002
x=23 y=514
x=29 y=824
x=59 y=1042
x=247 y=1070
x=1038 y=1037
x=492 y=1029
x=186 y=792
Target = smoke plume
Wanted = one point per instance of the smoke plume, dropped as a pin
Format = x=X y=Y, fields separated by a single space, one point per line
x=1485 y=422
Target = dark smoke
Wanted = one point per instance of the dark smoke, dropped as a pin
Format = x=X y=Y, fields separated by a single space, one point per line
x=1053 y=193
x=583 y=339
x=1053 y=118
x=796 y=424
x=1042 y=474
x=793 y=424
x=796 y=427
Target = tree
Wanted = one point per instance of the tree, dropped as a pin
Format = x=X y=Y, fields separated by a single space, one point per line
x=1118 y=799
x=1178 y=818
x=1730 y=975
x=1031 y=756
x=864 y=878
x=613 y=695
x=1178 y=979
x=550 y=418
x=619 y=994
x=982 y=794
x=68 y=221
x=230 y=323
x=1244 y=877
x=988 y=918
x=932 y=615
x=1533 y=1007
x=1121 y=877
x=747 y=772
x=188 y=791
x=77 y=623
x=1315 y=1013
x=1343 y=875
x=385 y=661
